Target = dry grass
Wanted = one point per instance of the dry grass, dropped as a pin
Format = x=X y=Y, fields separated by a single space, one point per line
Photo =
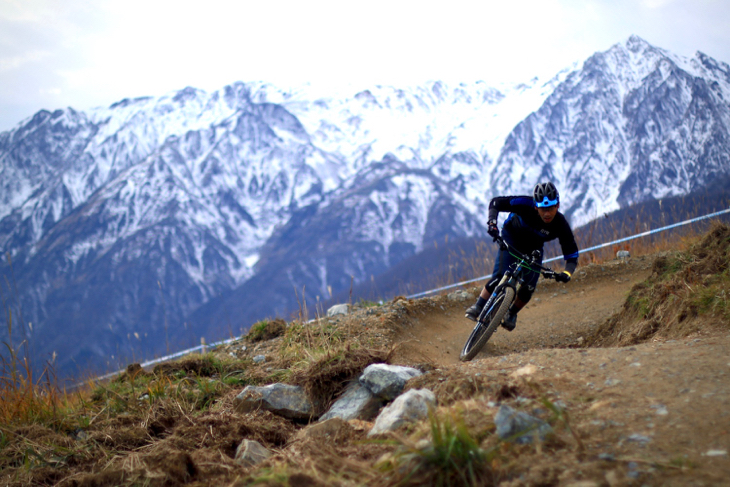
x=684 y=286
x=327 y=377
x=177 y=424
x=266 y=330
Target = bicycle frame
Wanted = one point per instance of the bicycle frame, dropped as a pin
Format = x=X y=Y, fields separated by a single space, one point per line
x=514 y=276
x=499 y=303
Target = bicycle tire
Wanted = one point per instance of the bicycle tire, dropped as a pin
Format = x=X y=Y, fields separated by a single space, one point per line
x=481 y=334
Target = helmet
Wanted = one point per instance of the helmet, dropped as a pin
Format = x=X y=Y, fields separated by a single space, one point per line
x=545 y=195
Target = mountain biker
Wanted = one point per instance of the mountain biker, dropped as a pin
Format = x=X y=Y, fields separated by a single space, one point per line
x=531 y=223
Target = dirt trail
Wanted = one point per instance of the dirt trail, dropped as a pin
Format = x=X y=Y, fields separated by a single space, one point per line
x=557 y=316
x=656 y=413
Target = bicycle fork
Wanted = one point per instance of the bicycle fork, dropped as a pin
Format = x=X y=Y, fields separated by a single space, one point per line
x=489 y=305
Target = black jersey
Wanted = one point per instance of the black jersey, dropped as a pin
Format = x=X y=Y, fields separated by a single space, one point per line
x=525 y=230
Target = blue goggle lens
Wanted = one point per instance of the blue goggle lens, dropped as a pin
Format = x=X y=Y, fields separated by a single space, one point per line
x=546 y=202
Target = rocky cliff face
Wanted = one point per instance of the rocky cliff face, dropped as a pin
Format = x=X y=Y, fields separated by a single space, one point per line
x=635 y=123
x=139 y=228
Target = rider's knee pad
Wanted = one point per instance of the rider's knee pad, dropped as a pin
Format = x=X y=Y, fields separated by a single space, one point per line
x=525 y=293
x=492 y=284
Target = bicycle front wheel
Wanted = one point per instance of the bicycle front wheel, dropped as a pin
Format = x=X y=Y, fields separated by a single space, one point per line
x=487 y=325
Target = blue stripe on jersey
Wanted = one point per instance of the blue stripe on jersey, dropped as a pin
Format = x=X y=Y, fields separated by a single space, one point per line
x=522 y=201
x=514 y=215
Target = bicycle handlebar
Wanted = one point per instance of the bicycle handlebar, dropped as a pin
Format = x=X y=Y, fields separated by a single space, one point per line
x=546 y=272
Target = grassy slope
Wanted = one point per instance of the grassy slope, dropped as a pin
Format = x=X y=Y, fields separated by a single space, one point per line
x=446 y=262
x=683 y=286
x=177 y=425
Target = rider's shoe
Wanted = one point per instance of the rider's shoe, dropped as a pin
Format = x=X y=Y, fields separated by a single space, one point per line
x=510 y=321
x=473 y=311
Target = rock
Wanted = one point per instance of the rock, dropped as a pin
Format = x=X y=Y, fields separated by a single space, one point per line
x=80 y=435
x=259 y=359
x=639 y=438
x=338 y=309
x=356 y=403
x=661 y=409
x=613 y=478
x=623 y=254
x=459 y=296
x=715 y=453
x=250 y=453
x=285 y=400
x=324 y=429
x=528 y=369
x=387 y=381
x=518 y=426
x=407 y=408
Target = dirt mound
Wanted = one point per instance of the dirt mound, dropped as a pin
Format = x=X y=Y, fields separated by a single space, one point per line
x=266 y=330
x=686 y=292
x=327 y=377
x=201 y=366
x=652 y=413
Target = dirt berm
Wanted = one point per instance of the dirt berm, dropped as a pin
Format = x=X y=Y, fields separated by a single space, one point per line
x=629 y=362
x=655 y=411
x=625 y=348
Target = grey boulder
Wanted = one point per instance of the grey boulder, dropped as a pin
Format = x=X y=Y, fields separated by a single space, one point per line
x=282 y=399
x=338 y=309
x=250 y=453
x=407 y=408
x=387 y=381
x=356 y=403
x=518 y=426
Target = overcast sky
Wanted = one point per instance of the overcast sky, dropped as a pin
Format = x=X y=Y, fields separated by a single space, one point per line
x=87 y=53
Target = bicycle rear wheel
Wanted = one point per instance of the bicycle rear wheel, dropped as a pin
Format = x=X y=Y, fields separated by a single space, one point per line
x=486 y=326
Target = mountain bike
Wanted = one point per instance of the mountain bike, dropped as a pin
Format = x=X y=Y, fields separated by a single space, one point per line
x=503 y=296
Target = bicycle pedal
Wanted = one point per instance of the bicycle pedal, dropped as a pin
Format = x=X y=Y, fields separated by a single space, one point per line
x=507 y=327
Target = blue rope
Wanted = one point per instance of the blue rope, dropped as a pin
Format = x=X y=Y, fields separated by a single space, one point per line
x=595 y=247
x=431 y=291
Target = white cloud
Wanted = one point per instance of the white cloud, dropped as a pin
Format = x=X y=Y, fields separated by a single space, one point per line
x=97 y=53
x=14 y=62
x=50 y=91
x=653 y=4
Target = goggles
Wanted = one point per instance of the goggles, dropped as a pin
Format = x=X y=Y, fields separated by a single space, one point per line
x=546 y=202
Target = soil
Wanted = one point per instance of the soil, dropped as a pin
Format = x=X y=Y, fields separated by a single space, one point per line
x=649 y=413
x=654 y=413
x=558 y=315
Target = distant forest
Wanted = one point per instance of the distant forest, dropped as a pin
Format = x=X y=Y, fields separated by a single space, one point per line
x=450 y=262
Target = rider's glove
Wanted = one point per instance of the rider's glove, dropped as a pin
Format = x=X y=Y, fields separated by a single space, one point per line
x=492 y=228
x=563 y=276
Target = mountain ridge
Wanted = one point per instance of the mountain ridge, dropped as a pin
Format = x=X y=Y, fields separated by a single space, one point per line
x=134 y=223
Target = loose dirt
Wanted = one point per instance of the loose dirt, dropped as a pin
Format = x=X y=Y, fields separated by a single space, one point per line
x=557 y=316
x=650 y=413
x=655 y=413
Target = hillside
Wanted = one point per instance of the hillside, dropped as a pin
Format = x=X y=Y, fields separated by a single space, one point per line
x=448 y=261
x=131 y=231
x=627 y=407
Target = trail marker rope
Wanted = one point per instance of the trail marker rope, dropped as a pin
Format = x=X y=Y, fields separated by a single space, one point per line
x=589 y=249
x=431 y=291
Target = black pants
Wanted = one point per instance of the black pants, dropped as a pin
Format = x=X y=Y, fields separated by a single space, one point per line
x=501 y=264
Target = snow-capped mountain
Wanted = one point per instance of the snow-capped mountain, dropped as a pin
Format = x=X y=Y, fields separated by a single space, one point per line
x=635 y=123
x=142 y=226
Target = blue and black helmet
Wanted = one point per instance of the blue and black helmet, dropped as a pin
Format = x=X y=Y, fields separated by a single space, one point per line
x=545 y=195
